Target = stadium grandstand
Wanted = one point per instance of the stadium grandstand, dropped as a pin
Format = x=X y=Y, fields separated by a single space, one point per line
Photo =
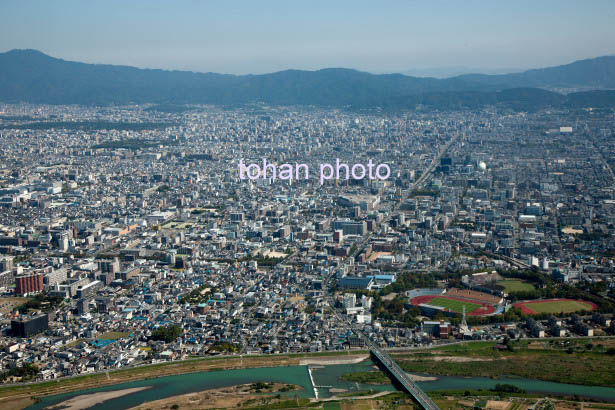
x=477 y=296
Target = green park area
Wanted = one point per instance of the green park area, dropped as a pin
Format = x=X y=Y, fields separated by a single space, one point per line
x=511 y=285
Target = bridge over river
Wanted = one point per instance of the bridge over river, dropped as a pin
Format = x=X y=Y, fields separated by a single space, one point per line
x=393 y=368
x=402 y=377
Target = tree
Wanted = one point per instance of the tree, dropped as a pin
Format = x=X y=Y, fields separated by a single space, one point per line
x=167 y=333
x=25 y=372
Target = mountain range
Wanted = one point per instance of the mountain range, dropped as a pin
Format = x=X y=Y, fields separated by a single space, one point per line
x=34 y=77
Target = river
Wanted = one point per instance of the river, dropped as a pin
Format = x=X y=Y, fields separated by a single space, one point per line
x=323 y=376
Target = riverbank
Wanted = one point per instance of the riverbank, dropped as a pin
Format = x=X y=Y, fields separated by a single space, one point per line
x=86 y=401
x=562 y=361
x=328 y=361
x=17 y=397
x=235 y=396
x=536 y=359
x=328 y=378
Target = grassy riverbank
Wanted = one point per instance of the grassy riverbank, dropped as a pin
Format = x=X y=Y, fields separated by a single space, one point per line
x=562 y=361
x=573 y=361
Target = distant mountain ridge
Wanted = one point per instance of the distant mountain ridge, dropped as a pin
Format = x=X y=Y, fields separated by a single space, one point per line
x=34 y=77
x=596 y=72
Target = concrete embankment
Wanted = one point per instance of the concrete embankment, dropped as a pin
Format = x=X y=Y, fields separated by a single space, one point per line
x=328 y=361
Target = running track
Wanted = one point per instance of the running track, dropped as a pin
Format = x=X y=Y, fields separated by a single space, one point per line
x=529 y=311
x=485 y=309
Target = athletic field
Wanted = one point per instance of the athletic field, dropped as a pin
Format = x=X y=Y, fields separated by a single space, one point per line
x=555 y=306
x=454 y=305
x=512 y=285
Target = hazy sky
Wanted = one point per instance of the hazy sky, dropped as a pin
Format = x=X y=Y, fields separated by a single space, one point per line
x=256 y=36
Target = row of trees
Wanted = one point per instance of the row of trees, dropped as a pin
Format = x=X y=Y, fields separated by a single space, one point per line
x=410 y=280
x=26 y=372
x=41 y=301
x=225 y=347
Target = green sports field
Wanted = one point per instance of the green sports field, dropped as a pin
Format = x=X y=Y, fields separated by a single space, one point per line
x=454 y=305
x=511 y=285
x=559 y=306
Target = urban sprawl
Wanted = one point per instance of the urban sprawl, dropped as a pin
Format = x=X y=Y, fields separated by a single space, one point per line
x=128 y=237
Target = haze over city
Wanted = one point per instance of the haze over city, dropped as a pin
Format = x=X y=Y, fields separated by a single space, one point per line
x=241 y=37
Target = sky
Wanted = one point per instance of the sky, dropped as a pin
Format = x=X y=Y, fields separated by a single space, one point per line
x=260 y=36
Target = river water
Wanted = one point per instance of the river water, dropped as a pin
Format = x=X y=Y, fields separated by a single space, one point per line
x=168 y=386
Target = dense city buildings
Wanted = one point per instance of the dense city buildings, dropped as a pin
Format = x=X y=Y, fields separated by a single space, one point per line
x=118 y=223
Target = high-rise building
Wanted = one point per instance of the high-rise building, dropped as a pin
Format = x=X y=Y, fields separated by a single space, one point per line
x=30 y=326
x=6 y=264
x=349 y=227
x=338 y=236
x=7 y=279
x=29 y=283
x=350 y=300
x=55 y=276
x=109 y=266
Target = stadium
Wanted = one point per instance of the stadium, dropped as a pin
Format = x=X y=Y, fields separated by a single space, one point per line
x=452 y=301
